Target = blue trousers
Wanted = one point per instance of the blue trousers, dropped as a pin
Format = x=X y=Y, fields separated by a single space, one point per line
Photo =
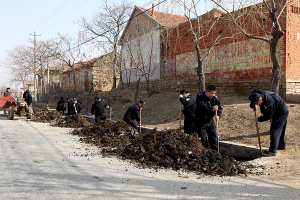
x=277 y=133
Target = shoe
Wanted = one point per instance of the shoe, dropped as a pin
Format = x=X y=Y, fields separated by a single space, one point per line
x=281 y=148
x=268 y=154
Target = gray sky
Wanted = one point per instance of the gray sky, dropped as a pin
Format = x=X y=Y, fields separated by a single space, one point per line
x=20 y=18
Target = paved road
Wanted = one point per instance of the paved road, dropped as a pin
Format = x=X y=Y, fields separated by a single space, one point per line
x=43 y=162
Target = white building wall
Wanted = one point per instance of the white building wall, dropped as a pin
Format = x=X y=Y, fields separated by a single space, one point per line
x=141 y=53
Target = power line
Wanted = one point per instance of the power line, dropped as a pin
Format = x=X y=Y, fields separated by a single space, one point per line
x=101 y=34
x=65 y=16
x=60 y=7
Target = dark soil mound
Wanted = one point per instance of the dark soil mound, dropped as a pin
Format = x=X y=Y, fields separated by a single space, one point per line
x=45 y=116
x=108 y=134
x=169 y=149
x=72 y=121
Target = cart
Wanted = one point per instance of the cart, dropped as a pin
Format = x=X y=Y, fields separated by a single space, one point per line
x=14 y=104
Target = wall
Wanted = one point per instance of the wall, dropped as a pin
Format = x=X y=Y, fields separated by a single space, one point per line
x=141 y=53
x=236 y=65
x=292 y=52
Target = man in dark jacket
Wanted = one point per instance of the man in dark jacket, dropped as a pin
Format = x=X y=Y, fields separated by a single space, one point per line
x=75 y=107
x=273 y=107
x=133 y=113
x=189 y=109
x=98 y=109
x=207 y=106
x=27 y=97
x=61 y=105
x=70 y=105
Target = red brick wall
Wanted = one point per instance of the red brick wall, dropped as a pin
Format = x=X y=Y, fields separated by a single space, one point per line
x=233 y=60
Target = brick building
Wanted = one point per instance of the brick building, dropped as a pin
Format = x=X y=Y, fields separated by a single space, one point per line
x=140 y=43
x=235 y=64
x=95 y=74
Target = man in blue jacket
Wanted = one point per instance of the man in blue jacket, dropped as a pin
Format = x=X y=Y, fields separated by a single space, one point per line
x=133 y=113
x=273 y=107
x=207 y=106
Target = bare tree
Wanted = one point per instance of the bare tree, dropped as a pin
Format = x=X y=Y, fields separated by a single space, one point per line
x=108 y=26
x=264 y=22
x=20 y=63
x=71 y=51
x=201 y=28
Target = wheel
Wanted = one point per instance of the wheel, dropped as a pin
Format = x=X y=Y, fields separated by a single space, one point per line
x=11 y=113
x=29 y=113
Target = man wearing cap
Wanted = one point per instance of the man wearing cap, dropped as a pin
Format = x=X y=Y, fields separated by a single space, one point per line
x=98 y=109
x=207 y=104
x=70 y=105
x=133 y=113
x=273 y=107
x=189 y=109
x=75 y=108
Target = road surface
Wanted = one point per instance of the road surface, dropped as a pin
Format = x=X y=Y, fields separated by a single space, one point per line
x=43 y=162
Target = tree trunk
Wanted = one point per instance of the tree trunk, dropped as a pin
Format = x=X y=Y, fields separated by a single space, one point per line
x=200 y=70
x=137 y=90
x=74 y=80
x=276 y=71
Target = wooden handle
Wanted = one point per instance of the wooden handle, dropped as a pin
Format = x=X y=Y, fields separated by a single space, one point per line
x=217 y=131
x=258 y=136
x=140 y=120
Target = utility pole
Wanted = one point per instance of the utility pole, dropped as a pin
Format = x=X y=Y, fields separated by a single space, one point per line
x=34 y=65
x=48 y=80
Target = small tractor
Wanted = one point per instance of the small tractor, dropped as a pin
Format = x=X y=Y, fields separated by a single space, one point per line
x=13 y=103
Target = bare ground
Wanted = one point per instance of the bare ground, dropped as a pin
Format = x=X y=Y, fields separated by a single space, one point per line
x=236 y=125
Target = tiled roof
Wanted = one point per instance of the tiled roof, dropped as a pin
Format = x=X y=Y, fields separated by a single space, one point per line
x=165 y=19
x=82 y=64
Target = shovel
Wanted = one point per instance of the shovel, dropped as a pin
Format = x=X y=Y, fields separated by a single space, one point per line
x=257 y=131
x=217 y=131
x=140 y=120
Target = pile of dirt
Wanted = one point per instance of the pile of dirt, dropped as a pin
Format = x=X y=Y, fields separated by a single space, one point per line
x=166 y=149
x=72 y=121
x=107 y=134
x=46 y=116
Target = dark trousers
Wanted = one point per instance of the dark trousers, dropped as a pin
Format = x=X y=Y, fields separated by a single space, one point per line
x=207 y=133
x=131 y=123
x=277 y=133
x=99 y=118
x=189 y=125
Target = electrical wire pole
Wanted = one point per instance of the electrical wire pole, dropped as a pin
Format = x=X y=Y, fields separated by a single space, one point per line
x=34 y=65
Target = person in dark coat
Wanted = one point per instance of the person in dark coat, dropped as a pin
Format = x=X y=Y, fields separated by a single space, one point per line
x=133 y=113
x=75 y=107
x=27 y=97
x=98 y=109
x=61 y=105
x=6 y=94
x=273 y=107
x=189 y=110
x=70 y=105
x=207 y=103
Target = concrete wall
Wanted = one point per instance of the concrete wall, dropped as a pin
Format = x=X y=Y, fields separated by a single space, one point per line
x=141 y=56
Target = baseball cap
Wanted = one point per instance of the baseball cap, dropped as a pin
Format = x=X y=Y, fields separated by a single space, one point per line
x=97 y=98
x=184 y=91
x=74 y=99
x=142 y=102
x=254 y=97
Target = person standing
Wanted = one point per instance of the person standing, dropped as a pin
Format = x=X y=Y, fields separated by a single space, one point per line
x=97 y=109
x=27 y=98
x=75 y=108
x=133 y=113
x=6 y=94
x=273 y=107
x=61 y=105
x=70 y=105
x=207 y=103
x=189 y=110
